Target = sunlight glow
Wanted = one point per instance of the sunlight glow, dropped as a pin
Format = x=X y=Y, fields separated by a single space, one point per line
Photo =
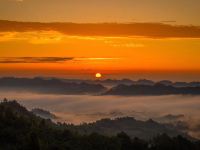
x=98 y=75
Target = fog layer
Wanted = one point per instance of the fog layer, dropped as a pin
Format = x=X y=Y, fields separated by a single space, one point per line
x=79 y=109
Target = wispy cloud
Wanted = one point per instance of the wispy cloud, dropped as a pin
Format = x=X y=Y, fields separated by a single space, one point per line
x=34 y=59
x=16 y=60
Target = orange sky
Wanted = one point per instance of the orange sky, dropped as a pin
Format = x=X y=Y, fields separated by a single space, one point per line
x=90 y=54
x=131 y=50
x=141 y=39
x=172 y=11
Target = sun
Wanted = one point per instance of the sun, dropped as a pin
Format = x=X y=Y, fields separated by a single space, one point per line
x=98 y=75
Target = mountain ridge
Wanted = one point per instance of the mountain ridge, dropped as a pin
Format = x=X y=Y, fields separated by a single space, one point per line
x=150 y=90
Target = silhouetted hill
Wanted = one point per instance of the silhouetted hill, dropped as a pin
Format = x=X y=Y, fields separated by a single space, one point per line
x=43 y=113
x=156 y=89
x=114 y=82
x=166 y=82
x=53 y=86
x=185 y=84
x=15 y=107
x=170 y=118
x=130 y=126
x=117 y=87
x=144 y=82
x=106 y=82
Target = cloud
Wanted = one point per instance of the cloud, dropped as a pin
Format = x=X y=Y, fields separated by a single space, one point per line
x=36 y=37
x=7 y=60
x=150 y=30
x=16 y=60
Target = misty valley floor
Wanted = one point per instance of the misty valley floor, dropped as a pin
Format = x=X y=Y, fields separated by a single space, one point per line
x=78 y=109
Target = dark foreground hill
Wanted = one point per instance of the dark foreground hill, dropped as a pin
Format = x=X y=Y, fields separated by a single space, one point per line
x=51 y=86
x=156 y=89
x=22 y=130
x=132 y=127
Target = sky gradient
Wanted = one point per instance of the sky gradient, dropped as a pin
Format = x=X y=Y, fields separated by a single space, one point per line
x=140 y=39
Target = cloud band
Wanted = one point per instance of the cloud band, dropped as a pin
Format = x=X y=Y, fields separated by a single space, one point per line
x=151 y=30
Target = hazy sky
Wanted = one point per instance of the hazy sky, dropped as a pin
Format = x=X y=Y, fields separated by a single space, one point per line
x=181 y=11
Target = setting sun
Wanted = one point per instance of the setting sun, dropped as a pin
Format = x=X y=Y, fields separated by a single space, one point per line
x=98 y=75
